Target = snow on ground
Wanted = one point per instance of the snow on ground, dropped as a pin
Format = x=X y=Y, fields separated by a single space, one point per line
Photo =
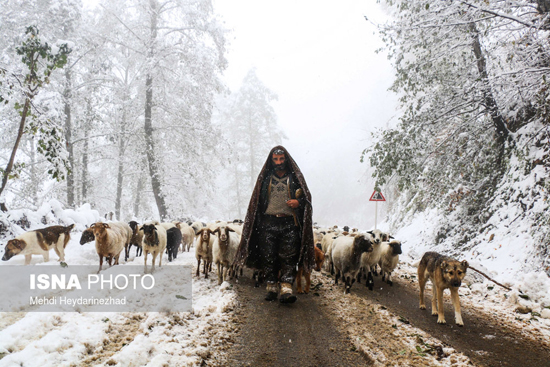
x=109 y=338
x=188 y=338
x=387 y=339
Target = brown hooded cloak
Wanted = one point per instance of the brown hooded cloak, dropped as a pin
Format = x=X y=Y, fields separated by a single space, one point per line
x=248 y=252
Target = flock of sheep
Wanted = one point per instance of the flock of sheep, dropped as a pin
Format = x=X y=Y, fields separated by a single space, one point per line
x=215 y=243
x=348 y=255
x=352 y=255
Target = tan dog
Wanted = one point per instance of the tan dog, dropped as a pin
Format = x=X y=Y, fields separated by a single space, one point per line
x=39 y=242
x=319 y=259
x=444 y=272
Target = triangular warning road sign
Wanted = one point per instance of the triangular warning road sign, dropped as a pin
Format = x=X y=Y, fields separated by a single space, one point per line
x=377 y=196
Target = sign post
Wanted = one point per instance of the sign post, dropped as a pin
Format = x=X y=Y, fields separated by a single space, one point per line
x=376 y=197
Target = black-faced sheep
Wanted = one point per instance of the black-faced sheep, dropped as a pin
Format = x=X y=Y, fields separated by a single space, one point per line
x=87 y=236
x=346 y=257
x=389 y=258
x=154 y=242
x=173 y=242
x=135 y=240
x=369 y=260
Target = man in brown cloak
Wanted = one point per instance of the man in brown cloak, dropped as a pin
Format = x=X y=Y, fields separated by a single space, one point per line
x=277 y=233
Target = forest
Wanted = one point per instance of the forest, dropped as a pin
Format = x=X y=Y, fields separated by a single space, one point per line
x=122 y=106
x=115 y=106
x=472 y=137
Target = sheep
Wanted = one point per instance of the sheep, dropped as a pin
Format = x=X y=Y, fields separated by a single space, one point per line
x=87 y=236
x=173 y=242
x=197 y=226
x=127 y=234
x=237 y=227
x=224 y=250
x=203 y=250
x=389 y=257
x=382 y=237
x=187 y=235
x=135 y=240
x=326 y=247
x=346 y=257
x=318 y=237
x=167 y=225
x=154 y=242
x=110 y=240
x=369 y=260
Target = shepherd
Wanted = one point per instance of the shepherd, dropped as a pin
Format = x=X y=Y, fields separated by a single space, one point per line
x=277 y=233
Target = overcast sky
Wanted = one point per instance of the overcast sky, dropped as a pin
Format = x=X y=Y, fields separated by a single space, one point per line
x=319 y=57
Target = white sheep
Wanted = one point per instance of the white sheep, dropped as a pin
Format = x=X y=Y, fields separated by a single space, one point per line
x=154 y=242
x=197 y=226
x=389 y=257
x=224 y=250
x=370 y=260
x=326 y=247
x=203 y=250
x=237 y=227
x=167 y=225
x=346 y=257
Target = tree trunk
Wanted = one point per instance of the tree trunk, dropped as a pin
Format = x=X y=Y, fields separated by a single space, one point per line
x=138 y=195
x=543 y=6
x=121 y=149
x=489 y=99
x=149 y=139
x=9 y=167
x=34 y=176
x=68 y=138
x=84 y=183
x=118 y=201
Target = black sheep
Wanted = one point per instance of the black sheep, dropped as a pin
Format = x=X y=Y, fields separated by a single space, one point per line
x=173 y=241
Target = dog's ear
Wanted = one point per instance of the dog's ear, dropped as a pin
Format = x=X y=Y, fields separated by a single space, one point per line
x=443 y=264
x=17 y=244
x=465 y=264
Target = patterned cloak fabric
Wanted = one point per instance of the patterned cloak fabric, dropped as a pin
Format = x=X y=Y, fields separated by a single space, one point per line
x=247 y=253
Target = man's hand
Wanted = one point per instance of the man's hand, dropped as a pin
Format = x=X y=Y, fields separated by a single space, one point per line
x=293 y=203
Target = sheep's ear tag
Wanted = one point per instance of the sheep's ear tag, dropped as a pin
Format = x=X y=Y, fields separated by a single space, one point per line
x=299 y=193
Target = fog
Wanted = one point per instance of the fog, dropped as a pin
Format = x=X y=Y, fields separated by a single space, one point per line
x=319 y=57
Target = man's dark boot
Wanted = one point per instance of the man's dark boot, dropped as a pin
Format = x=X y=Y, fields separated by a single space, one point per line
x=271 y=291
x=286 y=294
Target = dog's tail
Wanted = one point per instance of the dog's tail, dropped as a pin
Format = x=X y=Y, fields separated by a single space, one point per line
x=68 y=229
